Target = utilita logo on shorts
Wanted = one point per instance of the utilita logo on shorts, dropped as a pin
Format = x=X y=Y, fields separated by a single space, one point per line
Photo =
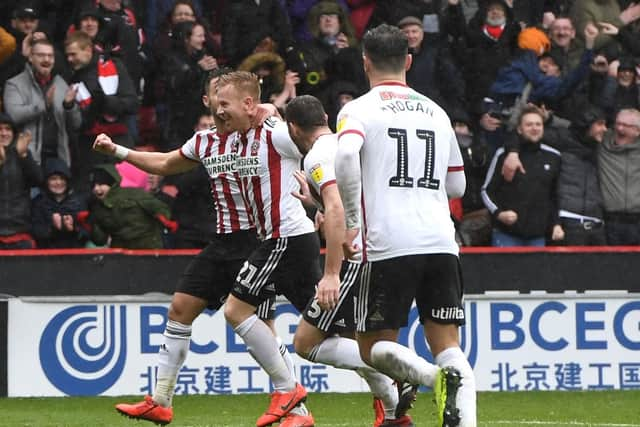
x=447 y=313
x=83 y=349
x=413 y=335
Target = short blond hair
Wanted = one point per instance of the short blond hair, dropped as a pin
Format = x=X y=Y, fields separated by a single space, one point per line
x=244 y=81
x=81 y=38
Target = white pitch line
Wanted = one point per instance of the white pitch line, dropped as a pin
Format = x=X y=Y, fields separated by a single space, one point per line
x=556 y=423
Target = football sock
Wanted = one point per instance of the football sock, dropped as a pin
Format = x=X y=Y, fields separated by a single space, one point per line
x=344 y=353
x=173 y=352
x=263 y=346
x=284 y=351
x=466 y=397
x=402 y=364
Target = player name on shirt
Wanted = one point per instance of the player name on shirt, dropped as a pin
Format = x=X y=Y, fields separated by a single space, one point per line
x=399 y=102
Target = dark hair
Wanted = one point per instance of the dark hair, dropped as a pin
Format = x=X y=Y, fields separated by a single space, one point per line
x=306 y=111
x=386 y=47
x=214 y=74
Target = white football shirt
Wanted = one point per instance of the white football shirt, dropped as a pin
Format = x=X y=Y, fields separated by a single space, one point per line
x=218 y=154
x=267 y=158
x=407 y=146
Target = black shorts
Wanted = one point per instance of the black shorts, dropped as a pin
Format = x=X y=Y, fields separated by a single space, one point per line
x=388 y=288
x=211 y=274
x=286 y=266
x=341 y=318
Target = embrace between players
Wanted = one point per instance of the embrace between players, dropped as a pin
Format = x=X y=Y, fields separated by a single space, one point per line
x=383 y=184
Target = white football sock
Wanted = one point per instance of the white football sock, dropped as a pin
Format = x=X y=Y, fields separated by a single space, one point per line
x=344 y=353
x=402 y=364
x=284 y=351
x=173 y=352
x=466 y=397
x=264 y=348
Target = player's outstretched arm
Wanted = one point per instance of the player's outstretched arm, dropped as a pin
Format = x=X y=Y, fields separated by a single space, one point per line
x=170 y=163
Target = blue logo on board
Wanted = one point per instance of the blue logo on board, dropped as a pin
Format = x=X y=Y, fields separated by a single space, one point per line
x=83 y=349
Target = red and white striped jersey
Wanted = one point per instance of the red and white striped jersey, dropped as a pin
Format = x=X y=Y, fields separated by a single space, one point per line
x=267 y=158
x=218 y=154
x=407 y=146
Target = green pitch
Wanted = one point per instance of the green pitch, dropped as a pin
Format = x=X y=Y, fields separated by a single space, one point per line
x=553 y=409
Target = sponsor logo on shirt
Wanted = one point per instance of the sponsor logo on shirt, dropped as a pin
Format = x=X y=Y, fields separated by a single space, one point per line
x=317 y=174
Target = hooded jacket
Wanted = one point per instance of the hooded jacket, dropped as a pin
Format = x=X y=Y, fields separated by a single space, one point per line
x=45 y=205
x=128 y=216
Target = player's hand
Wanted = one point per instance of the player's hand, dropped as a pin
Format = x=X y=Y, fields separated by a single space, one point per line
x=350 y=249
x=304 y=195
x=22 y=145
x=263 y=112
x=103 y=144
x=328 y=291
x=511 y=166
x=508 y=217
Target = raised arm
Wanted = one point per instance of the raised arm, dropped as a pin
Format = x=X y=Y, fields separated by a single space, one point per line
x=170 y=163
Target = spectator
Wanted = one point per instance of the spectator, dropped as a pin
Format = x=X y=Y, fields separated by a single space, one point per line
x=105 y=94
x=18 y=173
x=625 y=93
x=563 y=46
x=248 y=23
x=119 y=35
x=579 y=197
x=474 y=228
x=491 y=40
x=332 y=46
x=432 y=72
x=298 y=11
x=529 y=70
x=55 y=210
x=524 y=210
x=337 y=95
x=619 y=173
x=177 y=10
x=183 y=74
x=584 y=12
x=24 y=23
x=127 y=217
x=42 y=103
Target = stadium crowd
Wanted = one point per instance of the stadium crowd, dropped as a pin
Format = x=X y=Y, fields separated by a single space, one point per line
x=544 y=97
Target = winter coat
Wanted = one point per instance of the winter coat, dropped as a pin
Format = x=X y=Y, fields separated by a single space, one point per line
x=511 y=80
x=25 y=102
x=106 y=113
x=619 y=173
x=586 y=11
x=45 y=205
x=128 y=216
x=531 y=195
x=17 y=176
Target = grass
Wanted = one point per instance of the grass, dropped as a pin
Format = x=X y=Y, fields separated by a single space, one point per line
x=555 y=409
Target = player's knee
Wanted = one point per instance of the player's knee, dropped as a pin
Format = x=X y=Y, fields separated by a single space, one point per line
x=302 y=346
